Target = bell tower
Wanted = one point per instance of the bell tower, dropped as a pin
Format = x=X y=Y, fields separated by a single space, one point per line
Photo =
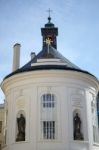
x=50 y=32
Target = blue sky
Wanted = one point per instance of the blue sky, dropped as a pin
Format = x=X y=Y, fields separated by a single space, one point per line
x=78 y=23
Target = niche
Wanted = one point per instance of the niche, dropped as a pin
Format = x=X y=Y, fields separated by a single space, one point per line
x=77 y=125
x=20 y=126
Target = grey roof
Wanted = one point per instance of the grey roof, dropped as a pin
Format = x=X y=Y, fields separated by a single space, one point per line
x=49 y=54
x=46 y=53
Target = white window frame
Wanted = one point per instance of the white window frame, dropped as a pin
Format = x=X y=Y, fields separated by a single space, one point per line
x=48 y=116
x=48 y=130
x=48 y=100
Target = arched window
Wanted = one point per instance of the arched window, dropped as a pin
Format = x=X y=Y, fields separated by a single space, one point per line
x=48 y=100
x=48 y=118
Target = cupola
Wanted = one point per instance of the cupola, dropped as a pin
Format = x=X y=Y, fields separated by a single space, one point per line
x=50 y=32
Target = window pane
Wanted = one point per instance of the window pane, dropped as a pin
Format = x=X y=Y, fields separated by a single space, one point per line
x=48 y=100
x=49 y=129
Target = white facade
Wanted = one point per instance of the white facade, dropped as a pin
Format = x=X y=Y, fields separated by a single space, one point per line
x=55 y=100
x=73 y=92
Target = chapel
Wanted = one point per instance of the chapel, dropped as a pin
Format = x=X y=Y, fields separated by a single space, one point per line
x=50 y=103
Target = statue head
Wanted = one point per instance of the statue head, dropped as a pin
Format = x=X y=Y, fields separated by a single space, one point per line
x=77 y=114
x=21 y=115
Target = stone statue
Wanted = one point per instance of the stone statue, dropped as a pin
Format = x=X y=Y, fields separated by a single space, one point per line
x=21 y=128
x=77 y=128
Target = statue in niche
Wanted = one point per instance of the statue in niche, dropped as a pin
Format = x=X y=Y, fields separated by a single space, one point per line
x=21 y=128
x=77 y=128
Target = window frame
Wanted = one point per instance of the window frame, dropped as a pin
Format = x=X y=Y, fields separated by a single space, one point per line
x=48 y=100
x=48 y=130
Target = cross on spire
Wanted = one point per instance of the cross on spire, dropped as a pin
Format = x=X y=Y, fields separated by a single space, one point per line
x=49 y=11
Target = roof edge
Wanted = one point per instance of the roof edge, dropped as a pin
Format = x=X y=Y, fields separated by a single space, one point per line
x=48 y=67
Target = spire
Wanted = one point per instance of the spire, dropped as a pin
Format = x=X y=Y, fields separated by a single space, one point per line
x=49 y=12
x=49 y=32
x=49 y=19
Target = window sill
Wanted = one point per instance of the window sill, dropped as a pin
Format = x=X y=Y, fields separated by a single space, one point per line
x=96 y=144
x=21 y=142
x=49 y=141
x=78 y=141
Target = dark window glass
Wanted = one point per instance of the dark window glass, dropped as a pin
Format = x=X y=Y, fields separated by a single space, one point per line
x=48 y=100
x=49 y=129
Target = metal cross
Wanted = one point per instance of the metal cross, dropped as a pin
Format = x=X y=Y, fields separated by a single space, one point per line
x=48 y=41
x=49 y=11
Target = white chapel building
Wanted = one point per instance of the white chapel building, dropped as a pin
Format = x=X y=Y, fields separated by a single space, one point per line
x=50 y=102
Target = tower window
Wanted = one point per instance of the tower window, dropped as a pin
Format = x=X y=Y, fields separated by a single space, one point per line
x=48 y=100
x=49 y=129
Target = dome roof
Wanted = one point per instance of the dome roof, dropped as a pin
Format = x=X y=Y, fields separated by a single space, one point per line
x=49 y=24
x=48 y=59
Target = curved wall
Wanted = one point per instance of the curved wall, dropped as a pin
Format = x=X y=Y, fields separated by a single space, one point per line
x=74 y=93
